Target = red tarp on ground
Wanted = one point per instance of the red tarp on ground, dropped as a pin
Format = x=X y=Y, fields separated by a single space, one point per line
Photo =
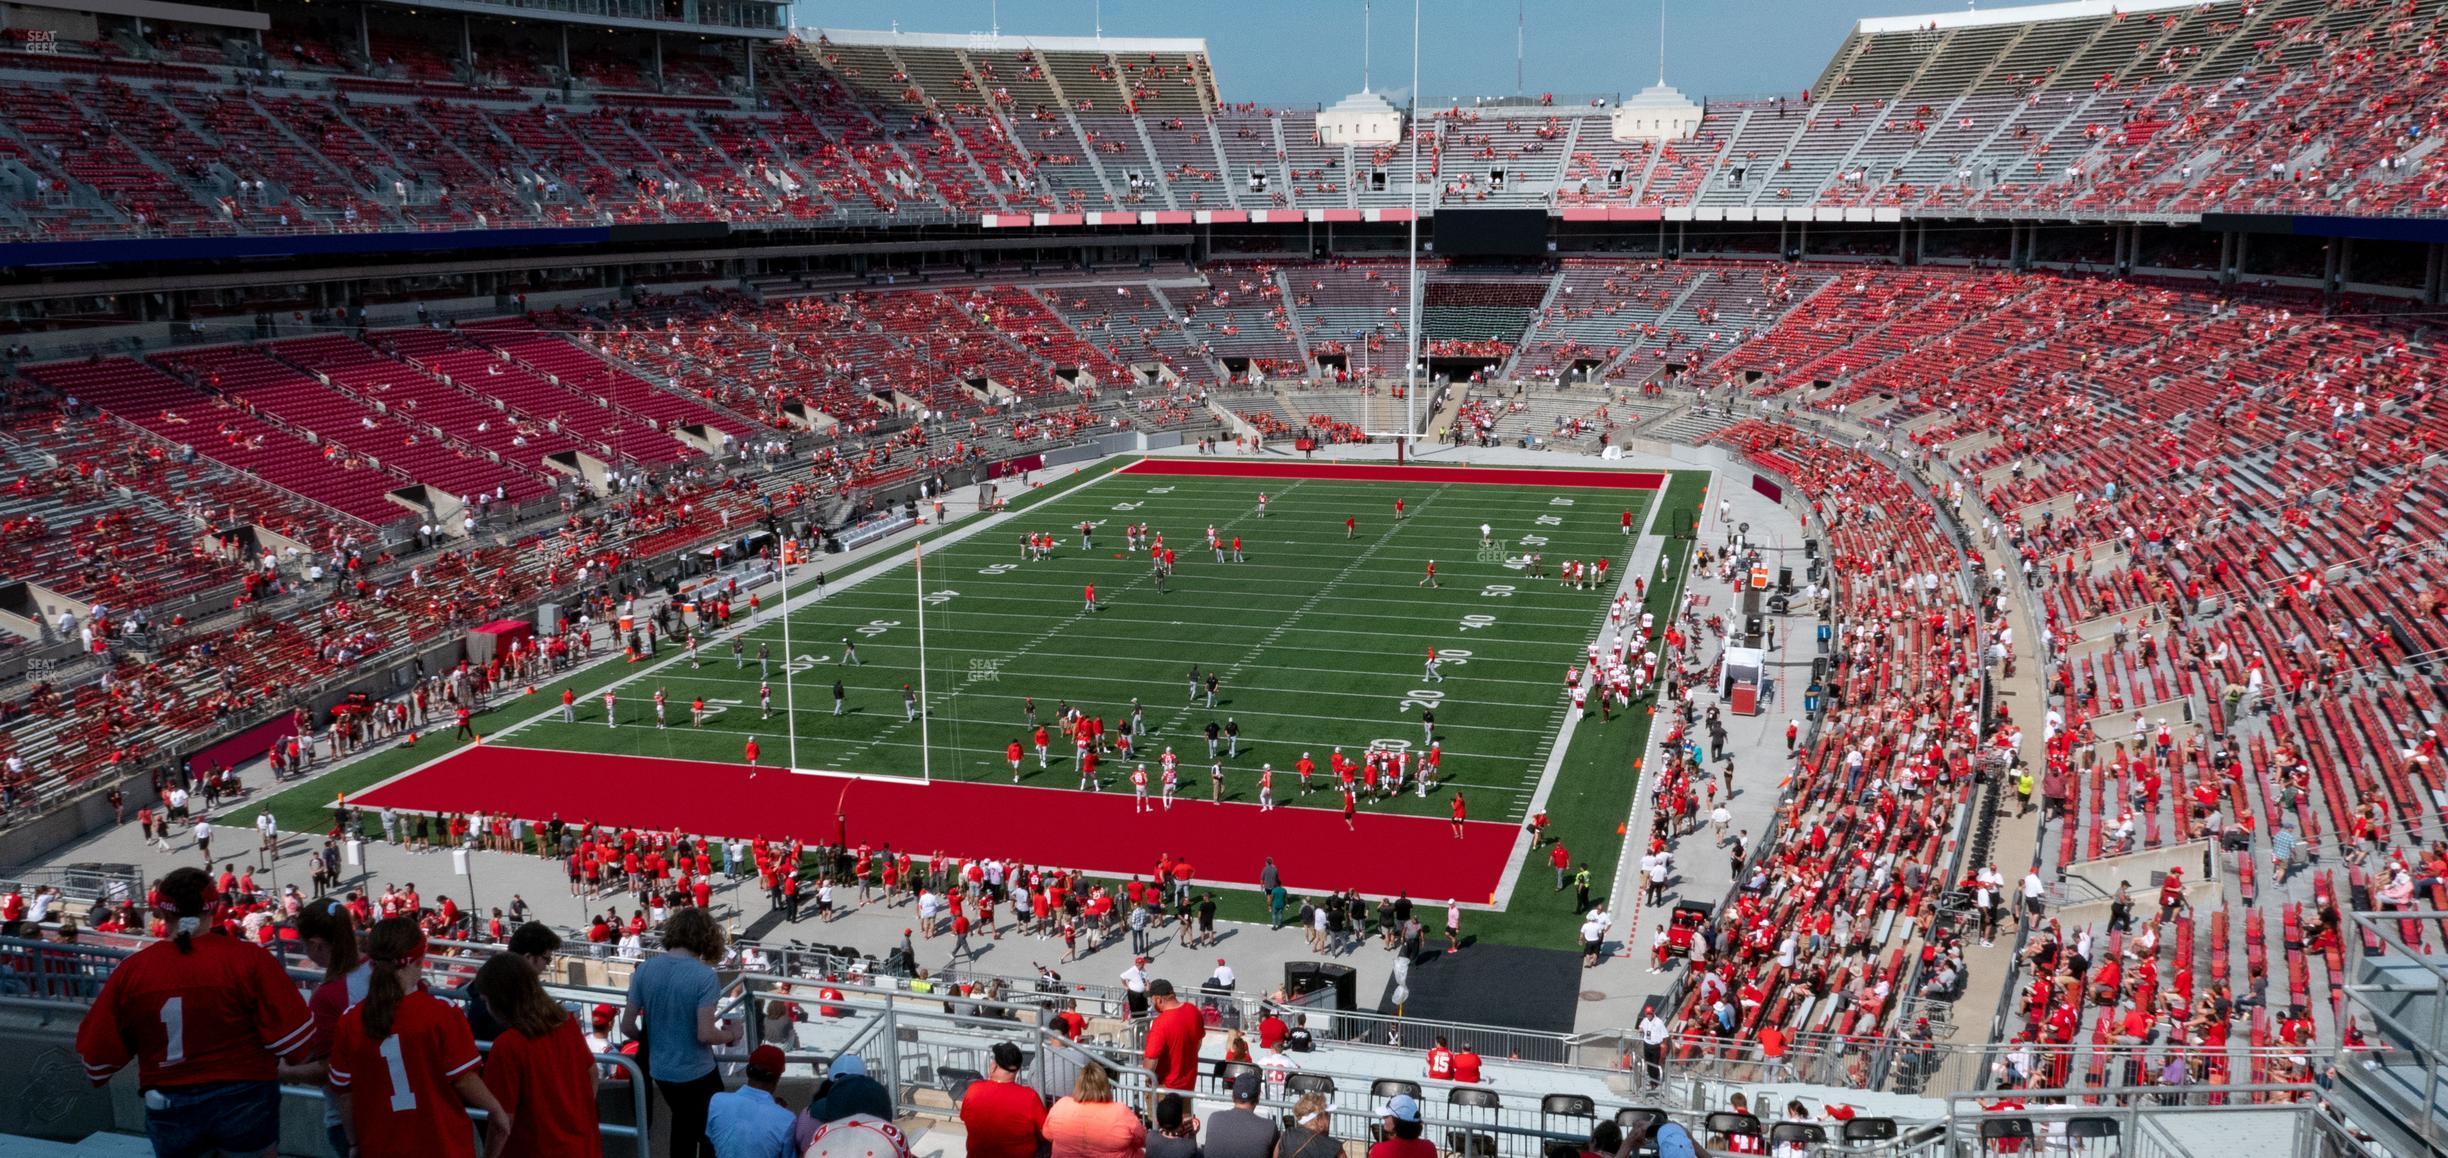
x=1094 y=831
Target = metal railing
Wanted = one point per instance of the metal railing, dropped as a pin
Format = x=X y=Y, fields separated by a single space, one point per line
x=54 y=982
x=86 y=884
x=927 y=1044
x=2403 y=991
x=1230 y=1009
x=928 y=1047
x=1934 y=1067
x=2143 y=1122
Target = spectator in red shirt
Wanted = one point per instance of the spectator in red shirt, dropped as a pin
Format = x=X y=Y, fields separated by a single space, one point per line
x=1466 y=1066
x=1271 y=1029
x=1173 y=1038
x=405 y=1063
x=1005 y=1119
x=540 y=1068
x=206 y=1018
x=1402 y=1131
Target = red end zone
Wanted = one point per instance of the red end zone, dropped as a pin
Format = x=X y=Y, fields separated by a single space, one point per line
x=1638 y=480
x=1097 y=832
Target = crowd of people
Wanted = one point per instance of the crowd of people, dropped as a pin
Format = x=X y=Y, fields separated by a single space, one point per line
x=1836 y=907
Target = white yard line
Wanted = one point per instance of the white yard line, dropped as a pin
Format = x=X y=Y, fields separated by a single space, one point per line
x=1636 y=825
x=1059 y=626
x=881 y=563
x=1232 y=674
x=1647 y=549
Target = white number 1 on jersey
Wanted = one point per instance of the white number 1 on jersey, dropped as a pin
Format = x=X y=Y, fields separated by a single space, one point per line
x=403 y=1097
x=174 y=1028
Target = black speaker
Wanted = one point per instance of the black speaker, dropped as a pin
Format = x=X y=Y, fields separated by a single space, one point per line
x=1344 y=980
x=1810 y=548
x=1785 y=579
x=1301 y=977
x=1819 y=666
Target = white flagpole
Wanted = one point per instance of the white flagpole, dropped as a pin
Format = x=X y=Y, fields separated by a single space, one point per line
x=790 y=712
x=1411 y=375
x=926 y=766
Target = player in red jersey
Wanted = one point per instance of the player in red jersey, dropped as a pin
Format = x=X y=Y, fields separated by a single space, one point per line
x=1351 y=527
x=1398 y=509
x=206 y=1018
x=1090 y=595
x=1460 y=812
x=1351 y=806
x=1011 y=752
x=1305 y=766
x=404 y=1061
x=1429 y=579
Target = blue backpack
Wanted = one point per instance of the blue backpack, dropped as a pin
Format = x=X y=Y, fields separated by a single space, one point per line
x=1673 y=1141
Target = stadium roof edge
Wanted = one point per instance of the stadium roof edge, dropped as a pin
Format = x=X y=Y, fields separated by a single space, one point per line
x=985 y=42
x=2020 y=14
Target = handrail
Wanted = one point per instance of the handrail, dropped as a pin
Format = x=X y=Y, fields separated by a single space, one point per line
x=636 y=1129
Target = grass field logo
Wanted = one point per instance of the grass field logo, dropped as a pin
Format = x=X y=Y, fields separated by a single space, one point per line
x=1491 y=553
x=985 y=671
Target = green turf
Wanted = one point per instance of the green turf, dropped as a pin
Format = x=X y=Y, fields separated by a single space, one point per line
x=1595 y=793
x=308 y=807
x=1319 y=638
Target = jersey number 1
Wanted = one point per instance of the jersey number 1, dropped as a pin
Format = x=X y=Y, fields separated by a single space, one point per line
x=174 y=1031
x=403 y=1096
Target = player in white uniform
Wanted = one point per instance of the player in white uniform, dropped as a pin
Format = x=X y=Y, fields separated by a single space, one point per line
x=1139 y=781
x=1172 y=784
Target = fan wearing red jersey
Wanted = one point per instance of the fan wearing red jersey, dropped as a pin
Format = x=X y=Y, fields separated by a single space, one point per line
x=404 y=1061
x=540 y=1068
x=206 y=1018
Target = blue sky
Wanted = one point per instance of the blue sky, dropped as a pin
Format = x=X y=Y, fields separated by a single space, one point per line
x=1293 y=52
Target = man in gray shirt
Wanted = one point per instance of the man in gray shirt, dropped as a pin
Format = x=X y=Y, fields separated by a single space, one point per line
x=1241 y=1132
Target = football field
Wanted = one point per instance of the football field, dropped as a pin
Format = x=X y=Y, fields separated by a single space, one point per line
x=1317 y=636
